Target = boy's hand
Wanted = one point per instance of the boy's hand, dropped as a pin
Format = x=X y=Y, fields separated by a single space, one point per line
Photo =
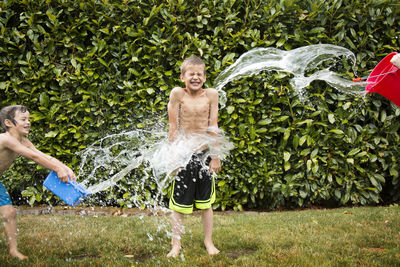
x=215 y=165
x=70 y=173
x=62 y=175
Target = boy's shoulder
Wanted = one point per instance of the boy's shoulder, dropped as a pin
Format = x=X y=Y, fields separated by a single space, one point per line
x=3 y=139
x=177 y=92
x=6 y=138
x=211 y=92
x=3 y=136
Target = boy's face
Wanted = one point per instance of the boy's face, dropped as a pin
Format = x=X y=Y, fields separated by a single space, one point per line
x=22 y=123
x=194 y=77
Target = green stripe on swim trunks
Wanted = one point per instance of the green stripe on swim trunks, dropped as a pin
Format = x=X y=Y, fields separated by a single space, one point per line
x=202 y=206
x=180 y=208
x=173 y=200
x=179 y=205
x=205 y=204
x=212 y=196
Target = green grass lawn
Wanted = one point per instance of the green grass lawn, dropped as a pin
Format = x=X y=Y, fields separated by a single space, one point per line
x=367 y=236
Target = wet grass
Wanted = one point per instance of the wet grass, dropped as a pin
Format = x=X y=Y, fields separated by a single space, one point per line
x=368 y=236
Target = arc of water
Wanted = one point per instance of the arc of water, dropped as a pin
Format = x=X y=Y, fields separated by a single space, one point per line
x=296 y=62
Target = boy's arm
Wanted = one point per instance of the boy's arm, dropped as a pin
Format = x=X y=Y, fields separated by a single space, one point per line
x=70 y=173
x=213 y=120
x=215 y=164
x=173 y=113
x=29 y=151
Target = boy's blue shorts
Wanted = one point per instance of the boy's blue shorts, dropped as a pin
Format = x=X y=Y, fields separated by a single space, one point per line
x=4 y=196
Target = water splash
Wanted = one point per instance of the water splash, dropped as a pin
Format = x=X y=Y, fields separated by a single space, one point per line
x=146 y=159
x=299 y=62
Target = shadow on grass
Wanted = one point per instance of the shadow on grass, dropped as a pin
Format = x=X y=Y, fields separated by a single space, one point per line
x=239 y=253
x=138 y=256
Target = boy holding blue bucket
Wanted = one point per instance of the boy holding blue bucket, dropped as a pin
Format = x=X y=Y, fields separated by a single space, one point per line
x=13 y=142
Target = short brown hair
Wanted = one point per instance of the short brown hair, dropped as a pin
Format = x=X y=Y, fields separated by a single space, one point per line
x=8 y=113
x=192 y=60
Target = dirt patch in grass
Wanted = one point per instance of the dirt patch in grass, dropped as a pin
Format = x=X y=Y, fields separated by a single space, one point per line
x=239 y=253
x=142 y=257
x=138 y=256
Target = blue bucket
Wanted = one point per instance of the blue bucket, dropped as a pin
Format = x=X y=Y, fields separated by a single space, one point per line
x=71 y=192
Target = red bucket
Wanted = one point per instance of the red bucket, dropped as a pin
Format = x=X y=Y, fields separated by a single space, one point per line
x=387 y=85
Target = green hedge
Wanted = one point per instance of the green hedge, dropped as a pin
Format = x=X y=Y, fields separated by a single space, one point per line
x=89 y=68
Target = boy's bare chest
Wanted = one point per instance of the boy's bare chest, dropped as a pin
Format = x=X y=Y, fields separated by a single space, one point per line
x=7 y=157
x=195 y=106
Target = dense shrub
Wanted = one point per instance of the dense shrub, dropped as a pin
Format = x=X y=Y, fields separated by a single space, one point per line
x=88 y=68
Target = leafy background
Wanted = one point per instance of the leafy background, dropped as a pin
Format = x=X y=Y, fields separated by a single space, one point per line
x=89 y=68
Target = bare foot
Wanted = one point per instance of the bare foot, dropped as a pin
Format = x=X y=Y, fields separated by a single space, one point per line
x=176 y=249
x=211 y=249
x=17 y=254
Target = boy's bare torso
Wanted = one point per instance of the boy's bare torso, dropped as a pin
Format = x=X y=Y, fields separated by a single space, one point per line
x=7 y=156
x=194 y=113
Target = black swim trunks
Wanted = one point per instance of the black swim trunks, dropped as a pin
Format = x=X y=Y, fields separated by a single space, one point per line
x=193 y=185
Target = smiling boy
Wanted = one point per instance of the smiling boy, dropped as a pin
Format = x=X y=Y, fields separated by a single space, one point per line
x=16 y=123
x=193 y=110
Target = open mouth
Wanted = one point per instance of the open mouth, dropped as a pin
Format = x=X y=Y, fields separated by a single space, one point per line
x=195 y=83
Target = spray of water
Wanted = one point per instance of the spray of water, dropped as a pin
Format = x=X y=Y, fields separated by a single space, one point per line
x=146 y=160
x=298 y=62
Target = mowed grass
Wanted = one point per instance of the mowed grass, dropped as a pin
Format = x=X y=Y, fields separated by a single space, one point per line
x=367 y=236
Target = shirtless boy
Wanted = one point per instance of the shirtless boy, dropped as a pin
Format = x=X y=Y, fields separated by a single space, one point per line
x=193 y=110
x=15 y=121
